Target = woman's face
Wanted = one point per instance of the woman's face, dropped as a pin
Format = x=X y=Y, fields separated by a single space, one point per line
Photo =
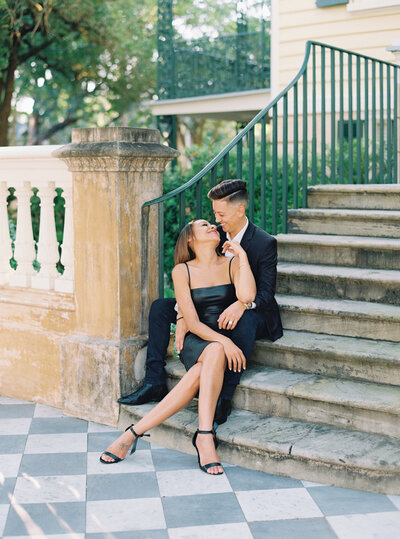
x=205 y=231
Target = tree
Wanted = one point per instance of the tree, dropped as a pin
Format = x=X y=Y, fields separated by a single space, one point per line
x=76 y=59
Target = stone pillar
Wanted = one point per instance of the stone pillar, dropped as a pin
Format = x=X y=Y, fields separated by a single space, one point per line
x=395 y=50
x=115 y=170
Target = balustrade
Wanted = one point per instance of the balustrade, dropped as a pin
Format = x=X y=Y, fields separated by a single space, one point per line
x=30 y=170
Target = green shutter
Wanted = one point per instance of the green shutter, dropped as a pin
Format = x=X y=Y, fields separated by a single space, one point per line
x=326 y=3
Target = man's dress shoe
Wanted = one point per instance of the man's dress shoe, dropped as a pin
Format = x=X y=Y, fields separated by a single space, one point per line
x=146 y=393
x=222 y=410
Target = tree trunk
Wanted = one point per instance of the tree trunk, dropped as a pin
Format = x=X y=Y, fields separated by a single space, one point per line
x=5 y=104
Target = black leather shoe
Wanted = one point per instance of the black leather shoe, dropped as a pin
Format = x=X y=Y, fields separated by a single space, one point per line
x=146 y=393
x=222 y=410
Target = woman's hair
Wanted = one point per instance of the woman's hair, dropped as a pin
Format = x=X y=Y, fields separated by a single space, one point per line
x=183 y=253
x=231 y=190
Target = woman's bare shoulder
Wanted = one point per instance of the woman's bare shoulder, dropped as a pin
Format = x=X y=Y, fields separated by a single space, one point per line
x=179 y=270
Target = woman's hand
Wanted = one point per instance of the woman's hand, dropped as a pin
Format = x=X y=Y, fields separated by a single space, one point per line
x=233 y=247
x=180 y=333
x=231 y=316
x=234 y=355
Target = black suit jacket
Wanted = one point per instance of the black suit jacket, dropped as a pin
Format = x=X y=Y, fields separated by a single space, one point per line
x=262 y=255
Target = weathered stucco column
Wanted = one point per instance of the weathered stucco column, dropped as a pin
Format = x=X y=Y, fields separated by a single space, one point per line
x=115 y=170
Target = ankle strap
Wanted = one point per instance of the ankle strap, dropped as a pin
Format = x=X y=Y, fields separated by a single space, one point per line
x=135 y=434
x=206 y=431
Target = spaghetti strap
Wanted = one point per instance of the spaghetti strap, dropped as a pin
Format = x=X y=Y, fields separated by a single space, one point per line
x=230 y=262
x=187 y=267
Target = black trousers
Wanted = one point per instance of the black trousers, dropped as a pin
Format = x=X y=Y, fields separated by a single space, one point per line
x=162 y=314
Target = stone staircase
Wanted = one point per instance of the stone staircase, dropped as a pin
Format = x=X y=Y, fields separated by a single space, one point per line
x=323 y=402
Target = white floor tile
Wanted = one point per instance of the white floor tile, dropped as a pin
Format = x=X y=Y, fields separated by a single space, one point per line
x=41 y=410
x=50 y=489
x=239 y=530
x=15 y=425
x=140 y=461
x=124 y=515
x=371 y=526
x=9 y=465
x=191 y=482
x=97 y=427
x=395 y=500
x=309 y=484
x=56 y=443
x=3 y=517
x=274 y=504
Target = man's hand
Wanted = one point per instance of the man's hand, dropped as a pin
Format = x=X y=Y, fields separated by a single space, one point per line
x=180 y=332
x=231 y=316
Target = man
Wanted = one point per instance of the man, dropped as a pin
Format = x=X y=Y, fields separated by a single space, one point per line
x=247 y=322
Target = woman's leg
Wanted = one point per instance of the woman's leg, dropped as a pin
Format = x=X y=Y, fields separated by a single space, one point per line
x=213 y=362
x=175 y=400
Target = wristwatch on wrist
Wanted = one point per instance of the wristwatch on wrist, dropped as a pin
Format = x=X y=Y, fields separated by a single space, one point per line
x=249 y=305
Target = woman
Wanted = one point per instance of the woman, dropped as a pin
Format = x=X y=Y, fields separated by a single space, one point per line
x=205 y=284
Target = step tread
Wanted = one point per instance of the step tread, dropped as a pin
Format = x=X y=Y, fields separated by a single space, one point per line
x=336 y=345
x=382 y=276
x=361 y=309
x=295 y=439
x=354 y=188
x=313 y=387
x=348 y=214
x=323 y=240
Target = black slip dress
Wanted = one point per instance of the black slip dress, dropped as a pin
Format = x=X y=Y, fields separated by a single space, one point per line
x=210 y=302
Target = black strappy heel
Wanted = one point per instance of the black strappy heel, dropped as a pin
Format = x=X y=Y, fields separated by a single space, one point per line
x=210 y=464
x=118 y=459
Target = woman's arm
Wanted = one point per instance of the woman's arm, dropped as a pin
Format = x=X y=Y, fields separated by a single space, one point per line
x=243 y=278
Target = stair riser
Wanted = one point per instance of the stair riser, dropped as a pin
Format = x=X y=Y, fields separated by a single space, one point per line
x=339 y=288
x=341 y=324
x=297 y=467
x=319 y=362
x=309 y=224
x=341 y=415
x=367 y=201
x=339 y=256
x=316 y=411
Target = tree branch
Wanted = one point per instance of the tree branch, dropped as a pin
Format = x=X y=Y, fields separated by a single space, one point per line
x=57 y=127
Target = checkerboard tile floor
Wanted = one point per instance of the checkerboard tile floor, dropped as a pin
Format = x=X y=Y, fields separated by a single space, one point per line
x=52 y=485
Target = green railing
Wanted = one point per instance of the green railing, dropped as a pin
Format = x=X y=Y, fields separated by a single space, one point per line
x=345 y=133
x=230 y=63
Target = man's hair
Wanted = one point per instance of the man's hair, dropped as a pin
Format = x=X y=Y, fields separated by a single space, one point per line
x=231 y=190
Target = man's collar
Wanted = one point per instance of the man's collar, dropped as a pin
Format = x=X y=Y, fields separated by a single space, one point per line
x=240 y=234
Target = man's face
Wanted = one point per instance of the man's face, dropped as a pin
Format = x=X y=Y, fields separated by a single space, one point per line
x=228 y=214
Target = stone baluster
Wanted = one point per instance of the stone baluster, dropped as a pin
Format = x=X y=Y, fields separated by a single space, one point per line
x=65 y=283
x=47 y=254
x=5 y=240
x=24 y=252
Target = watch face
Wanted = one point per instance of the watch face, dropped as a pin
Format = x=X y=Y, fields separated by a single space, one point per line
x=248 y=305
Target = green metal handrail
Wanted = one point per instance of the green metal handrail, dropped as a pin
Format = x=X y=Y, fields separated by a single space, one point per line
x=348 y=134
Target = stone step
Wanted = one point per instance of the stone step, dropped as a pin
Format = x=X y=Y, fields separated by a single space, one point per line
x=373 y=285
x=354 y=251
x=298 y=449
x=372 y=197
x=375 y=223
x=354 y=404
x=340 y=317
x=332 y=355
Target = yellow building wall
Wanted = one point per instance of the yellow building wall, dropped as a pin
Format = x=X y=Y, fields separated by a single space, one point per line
x=32 y=324
x=367 y=32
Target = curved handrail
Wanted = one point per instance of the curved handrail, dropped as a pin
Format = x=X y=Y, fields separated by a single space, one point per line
x=238 y=137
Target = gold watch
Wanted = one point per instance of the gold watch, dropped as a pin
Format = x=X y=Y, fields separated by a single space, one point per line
x=249 y=305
